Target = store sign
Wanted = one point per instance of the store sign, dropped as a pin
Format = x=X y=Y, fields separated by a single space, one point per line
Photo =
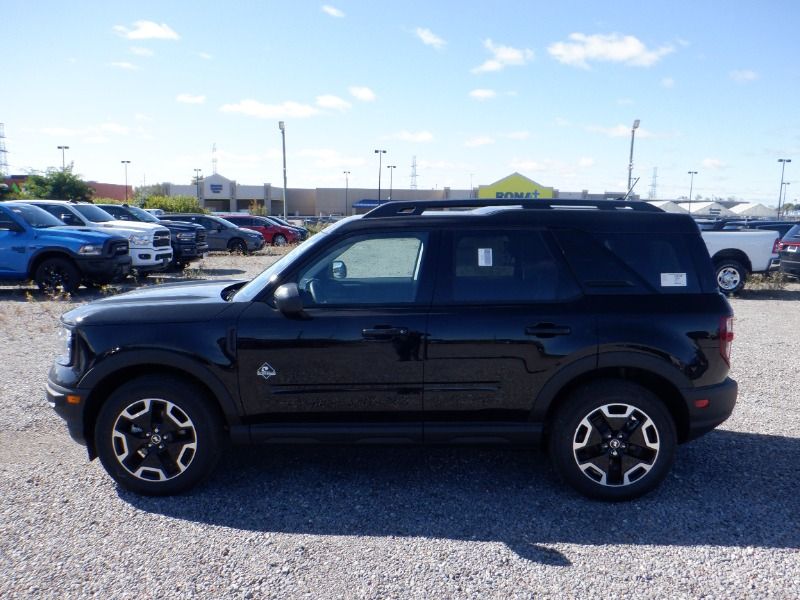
x=216 y=188
x=515 y=187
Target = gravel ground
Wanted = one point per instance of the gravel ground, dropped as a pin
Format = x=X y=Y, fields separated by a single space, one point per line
x=398 y=522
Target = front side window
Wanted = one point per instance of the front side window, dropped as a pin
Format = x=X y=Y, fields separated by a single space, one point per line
x=63 y=214
x=366 y=270
x=93 y=213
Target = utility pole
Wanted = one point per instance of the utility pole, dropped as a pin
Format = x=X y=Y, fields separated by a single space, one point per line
x=346 y=190
x=282 y=127
x=630 y=161
x=379 y=153
x=391 y=183
x=126 y=163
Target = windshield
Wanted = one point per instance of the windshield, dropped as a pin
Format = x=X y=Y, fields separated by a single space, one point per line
x=142 y=215
x=225 y=223
x=35 y=216
x=93 y=213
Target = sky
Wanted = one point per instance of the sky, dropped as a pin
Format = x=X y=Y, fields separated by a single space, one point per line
x=474 y=90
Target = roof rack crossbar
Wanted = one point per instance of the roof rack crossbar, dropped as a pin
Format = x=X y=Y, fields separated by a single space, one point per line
x=417 y=207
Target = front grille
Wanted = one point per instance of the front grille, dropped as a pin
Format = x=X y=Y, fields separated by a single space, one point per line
x=161 y=238
x=201 y=235
x=119 y=248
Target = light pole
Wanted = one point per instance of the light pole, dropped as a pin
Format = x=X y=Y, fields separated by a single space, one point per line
x=63 y=161
x=630 y=162
x=691 y=185
x=197 y=182
x=785 y=191
x=391 y=174
x=783 y=162
x=125 y=164
x=282 y=127
x=346 y=190
x=379 y=153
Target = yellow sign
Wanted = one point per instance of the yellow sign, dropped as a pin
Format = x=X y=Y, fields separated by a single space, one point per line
x=515 y=186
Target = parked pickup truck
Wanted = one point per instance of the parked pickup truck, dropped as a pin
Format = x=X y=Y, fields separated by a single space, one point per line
x=736 y=254
x=35 y=245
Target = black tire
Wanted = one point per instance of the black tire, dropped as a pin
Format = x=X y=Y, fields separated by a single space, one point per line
x=612 y=440
x=279 y=240
x=237 y=246
x=177 y=434
x=57 y=275
x=731 y=276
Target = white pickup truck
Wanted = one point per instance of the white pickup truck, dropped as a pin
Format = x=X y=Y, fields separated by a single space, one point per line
x=736 y=254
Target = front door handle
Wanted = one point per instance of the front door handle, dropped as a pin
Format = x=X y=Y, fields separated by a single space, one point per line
x=381 y=332
x=547 y=330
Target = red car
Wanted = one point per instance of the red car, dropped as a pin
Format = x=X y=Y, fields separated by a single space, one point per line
x=277 y=235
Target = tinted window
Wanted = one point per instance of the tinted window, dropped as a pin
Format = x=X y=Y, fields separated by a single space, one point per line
x=63 y=214
x=504 y=267
x=93 y=213
x=35 y=216
x=7 y=222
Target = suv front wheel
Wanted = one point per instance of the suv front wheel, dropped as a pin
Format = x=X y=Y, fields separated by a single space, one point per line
x=612 y=440
x=158 y=436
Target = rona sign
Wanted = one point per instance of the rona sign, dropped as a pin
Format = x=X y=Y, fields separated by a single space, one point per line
x=515 y=186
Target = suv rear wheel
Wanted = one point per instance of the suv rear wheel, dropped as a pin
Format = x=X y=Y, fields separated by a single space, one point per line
x=158 y=436
x=612 y=440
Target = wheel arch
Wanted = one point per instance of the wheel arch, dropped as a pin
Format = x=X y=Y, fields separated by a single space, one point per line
x=732 y=254
x=46 y=253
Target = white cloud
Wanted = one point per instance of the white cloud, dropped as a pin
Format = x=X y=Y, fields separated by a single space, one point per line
x=429 y=38
x=125 y=65
x=64 y=131
x=412 y=136
x=527 y=165
x=143 y=117
x=204 y=55
x=139 y=51
x=479 y=141
x=362 y=93
x=147 y=30
x=189 y=99
x=668 y=83
x=333 y=102
x=114 y=128
x=253 y=108
x=582 y=49
x=585 y=162
x=518 y=135
x=744 y=76
x=712 y=164
x=482 y=94
x=503 y=56
x=332 y=11
x=618 y=131
x=562 y=122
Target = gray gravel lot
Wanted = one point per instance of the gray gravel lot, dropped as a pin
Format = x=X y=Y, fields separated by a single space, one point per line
x=380 y=522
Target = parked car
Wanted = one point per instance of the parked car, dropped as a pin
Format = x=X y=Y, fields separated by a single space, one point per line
x=150 y=248
x=789 y=248
x=596 y=329
x=277 y=235
x=35 y=245
x=156 y=212
x=188 y=239
x=301 y=231
x=222 y=234
x=736 y=254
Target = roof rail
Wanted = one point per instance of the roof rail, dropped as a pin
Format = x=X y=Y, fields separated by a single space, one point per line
x=417 y=207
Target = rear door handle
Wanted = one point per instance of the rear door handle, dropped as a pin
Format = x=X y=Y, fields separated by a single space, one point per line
x=383 y=333
x=547 y=330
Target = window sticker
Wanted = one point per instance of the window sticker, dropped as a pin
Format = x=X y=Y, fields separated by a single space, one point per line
x=484 y=257
x=673 y=280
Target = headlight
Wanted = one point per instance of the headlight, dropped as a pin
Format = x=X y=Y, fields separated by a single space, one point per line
x=139 y=239
x=90 y=250
x=64 y=346
x=188 y=236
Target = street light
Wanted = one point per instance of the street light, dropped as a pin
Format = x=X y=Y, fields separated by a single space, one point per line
x=346 y=190
x=126 y=163
x=691 y=184
x=391 y=173
x=197 y=182
x=379 y=152
x=282 y=127
x=630 y=162
x=785 y=191
x=63 y=162
x=783 y=162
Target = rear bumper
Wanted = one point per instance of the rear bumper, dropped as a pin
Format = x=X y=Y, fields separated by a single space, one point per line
x=721 y=400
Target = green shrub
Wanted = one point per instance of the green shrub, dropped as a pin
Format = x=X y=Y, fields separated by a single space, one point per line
x=175 y=204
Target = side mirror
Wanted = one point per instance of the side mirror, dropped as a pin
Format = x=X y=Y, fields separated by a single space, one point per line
x=339 y=269
x=288 y=300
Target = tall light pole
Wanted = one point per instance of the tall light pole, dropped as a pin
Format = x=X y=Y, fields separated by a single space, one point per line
x=391 y=174
x=783 y=162
x=125 y=164
x=379 y=153
x=282 y=127
x=691 y=185
x=346 y=190
x=197 y=173
x=630 y=162
x=63 y=161
x=785 y=191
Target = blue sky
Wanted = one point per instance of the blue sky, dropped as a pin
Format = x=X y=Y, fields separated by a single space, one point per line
x=474 y=90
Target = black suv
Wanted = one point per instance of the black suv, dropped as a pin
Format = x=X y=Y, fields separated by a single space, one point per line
x=595 y=329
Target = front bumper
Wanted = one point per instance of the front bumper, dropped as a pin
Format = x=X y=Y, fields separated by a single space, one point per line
x=721 y=400
x=189 y=251
x=254 y=245
x=151 y=259
x=104 y=270
x=69 y=404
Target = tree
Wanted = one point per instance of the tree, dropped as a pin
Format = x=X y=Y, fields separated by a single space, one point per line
x=58 y=184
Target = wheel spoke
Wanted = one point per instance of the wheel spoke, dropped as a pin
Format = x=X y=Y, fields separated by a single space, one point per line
x=588 y=453
x=614 y=474
x=641 y=453
x=599 y=422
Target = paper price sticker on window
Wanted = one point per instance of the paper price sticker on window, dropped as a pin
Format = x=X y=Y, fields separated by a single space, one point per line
x=484 y=257
x=673 y=280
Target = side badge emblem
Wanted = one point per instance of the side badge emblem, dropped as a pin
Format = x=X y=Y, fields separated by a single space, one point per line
x=266 y=371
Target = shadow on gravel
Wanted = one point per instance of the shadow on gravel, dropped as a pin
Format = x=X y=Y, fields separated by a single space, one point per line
x=727 y=489
x=787 y=295
x=219 y=272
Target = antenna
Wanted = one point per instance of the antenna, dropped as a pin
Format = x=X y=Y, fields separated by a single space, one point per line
x=633 y=185
x=414 y=173
x=653 y=185
x=3 y=151
x=214 y=158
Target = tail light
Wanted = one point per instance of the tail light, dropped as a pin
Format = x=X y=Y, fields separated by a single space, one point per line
x=777 y=246
x=726 y=338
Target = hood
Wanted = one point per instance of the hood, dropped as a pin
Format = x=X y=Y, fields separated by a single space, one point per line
x=182 y=302
x=81 y=234
x=132 y=225
x=180 y=225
